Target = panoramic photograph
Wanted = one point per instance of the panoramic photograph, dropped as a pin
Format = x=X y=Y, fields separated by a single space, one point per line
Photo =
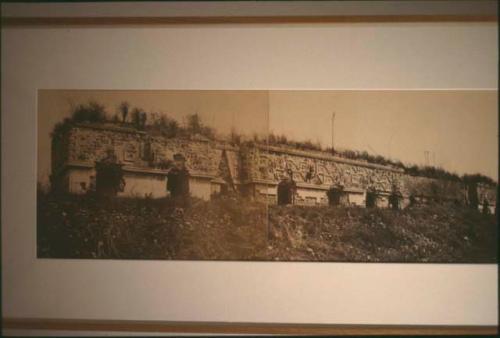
x=268 y=175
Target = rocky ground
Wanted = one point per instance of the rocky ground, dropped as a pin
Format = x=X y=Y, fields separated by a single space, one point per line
x=228 y=229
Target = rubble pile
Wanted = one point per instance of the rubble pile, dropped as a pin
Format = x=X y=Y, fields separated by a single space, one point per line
x=227 y=228
x=127 y=228
x=439 y=233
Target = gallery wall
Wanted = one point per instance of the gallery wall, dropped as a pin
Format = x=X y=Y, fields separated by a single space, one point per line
x=306 y=56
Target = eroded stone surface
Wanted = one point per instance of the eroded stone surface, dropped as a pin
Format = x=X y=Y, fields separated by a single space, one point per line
x=253 y=169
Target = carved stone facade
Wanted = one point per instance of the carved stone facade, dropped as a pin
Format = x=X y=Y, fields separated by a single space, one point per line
x=253 y=170
x=146 y=160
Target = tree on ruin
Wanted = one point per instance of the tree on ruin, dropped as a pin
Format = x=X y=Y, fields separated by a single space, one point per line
x=234 y=137
x=194 y=123
x=139 y=118
x=124 y=108
x=195 y=126
x=89 y=112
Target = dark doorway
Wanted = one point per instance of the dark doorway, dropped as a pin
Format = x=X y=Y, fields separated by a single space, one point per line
x=395 y=200
x=109 y=178
x=371 y=199
x=336 y=196
x=285 y=192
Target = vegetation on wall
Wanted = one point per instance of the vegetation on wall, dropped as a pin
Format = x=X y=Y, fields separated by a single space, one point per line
x=159 y=123
x=478 y=178
x=413 y=170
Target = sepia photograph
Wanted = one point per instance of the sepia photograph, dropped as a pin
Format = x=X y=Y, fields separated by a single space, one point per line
x=268 y=175
x=249 y=167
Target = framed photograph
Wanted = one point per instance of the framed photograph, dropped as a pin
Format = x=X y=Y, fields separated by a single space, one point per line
x=264 y=169
x=256 y=175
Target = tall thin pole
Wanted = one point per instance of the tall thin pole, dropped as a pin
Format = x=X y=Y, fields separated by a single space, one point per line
x=333 y=133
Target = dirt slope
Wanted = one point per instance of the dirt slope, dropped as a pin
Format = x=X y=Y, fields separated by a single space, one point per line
x=228 y=229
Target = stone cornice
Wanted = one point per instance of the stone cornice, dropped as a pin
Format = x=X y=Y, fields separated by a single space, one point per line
x=133 y=169
x=109 y=127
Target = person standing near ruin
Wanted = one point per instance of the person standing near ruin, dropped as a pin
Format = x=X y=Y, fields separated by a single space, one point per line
x=178 y=181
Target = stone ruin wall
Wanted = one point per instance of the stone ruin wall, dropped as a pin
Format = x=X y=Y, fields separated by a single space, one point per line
x=271 y=165
x=140 y=150
x=87 y=144
x=90 y=145
x=202 y=157
x=485 y=192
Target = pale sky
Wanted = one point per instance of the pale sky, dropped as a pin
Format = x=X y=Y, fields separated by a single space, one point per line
x=458 y=128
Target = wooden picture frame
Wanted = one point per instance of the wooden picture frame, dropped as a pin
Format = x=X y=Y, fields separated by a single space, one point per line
x=9 y=323
x=240 y=328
